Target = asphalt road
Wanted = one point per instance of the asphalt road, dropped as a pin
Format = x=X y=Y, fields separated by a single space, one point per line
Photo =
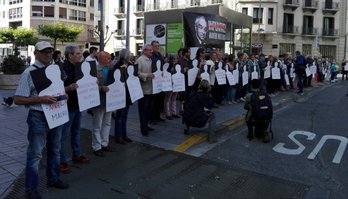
x=309 y=145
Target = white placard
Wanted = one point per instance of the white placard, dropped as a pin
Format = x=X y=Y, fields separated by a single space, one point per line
x=116 y=96
x=205 y=74
x=156 y=32
x=313 y=69
x=245 y=78
x=178 y=80
x=308 y=72
x=88 y=89
x=57 y=113
x=287 y=81
x=166 y=84
x=133 y=85
x=292 y=72
x=192 y=73
x=230 y=78
x=235 y=74
x=275 y=73
x=346 y=67
x=220 y=75
x=156 y=82
x=267 y=73
x=254 y=75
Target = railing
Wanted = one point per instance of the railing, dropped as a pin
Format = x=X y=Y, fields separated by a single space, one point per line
x=292 y=2
x=290 y=29
x=330 y=32
x=310 y=4
x=309 y=31
x=331 y=6
x=120 y=32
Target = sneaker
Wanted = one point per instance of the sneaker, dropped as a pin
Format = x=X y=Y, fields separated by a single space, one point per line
x=64 y=168
x=59 y=185
x=107 y=149
x=80 y=159
x=99 y=153
x=300 y=93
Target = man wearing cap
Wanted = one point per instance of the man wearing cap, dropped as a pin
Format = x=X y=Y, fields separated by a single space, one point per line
x=39 y=135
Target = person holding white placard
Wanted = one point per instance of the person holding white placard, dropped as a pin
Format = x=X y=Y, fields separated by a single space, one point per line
x=185 y=64
x=122 y=114
x=290 y=70
x=231 y=89
x=170 y=96
x=72 y=128
x=158 y=97
x=145 y=104
x=217 y=90
x=334 y=69
x=300 y=67
x=307 y=80
x=101 y=118
x=39 y=135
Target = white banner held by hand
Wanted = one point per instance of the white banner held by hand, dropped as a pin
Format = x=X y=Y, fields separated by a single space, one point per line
x=178 y=80
x=220 y=75
x=88 y=89
x=133 y=85
x=156 y=82
x=192 y=73
x=166 y=84
x=116 y=96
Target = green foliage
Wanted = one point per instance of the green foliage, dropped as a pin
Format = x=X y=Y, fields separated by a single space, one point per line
x=13 y=65
x=18 y=37
x=60 y=32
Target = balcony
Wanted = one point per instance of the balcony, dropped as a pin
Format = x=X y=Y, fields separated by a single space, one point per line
x=138 y=33
x=120 y=34
x=290 y=30
x=139 y=10
x=331 y=7
x=119 y=12
x=310 y=31
x=310 y=5
x=216 y=1
x=330 y=32
x=153 y=7
x=291 y=4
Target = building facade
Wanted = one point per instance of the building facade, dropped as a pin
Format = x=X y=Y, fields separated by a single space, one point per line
x=31 y=13
x=314 y=27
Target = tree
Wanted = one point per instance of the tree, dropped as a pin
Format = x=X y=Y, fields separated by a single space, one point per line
x=59 y=32
x=18 y=37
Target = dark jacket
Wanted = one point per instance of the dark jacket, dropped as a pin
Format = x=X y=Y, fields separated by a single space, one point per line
x=70 y=72
x=194 y=113
x=124 y=77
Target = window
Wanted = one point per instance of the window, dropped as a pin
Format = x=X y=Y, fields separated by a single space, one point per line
x=73 y=2
x=140 y=26
x=36 y=11
x=308 y=25
x=195 y=2
x=64 y=1
x=82 y=16
x=82 y=3
x=307 y=49
x=3 y=14
x=48 y=11
x=91 y=17
x=73 y=15
x=288 y=23
x=270 y=15
x=120 y=27
x=245 y=11
x=329 y=26
x=286 y=48
x=257 y=15
x=91 y=3
x=62 y=13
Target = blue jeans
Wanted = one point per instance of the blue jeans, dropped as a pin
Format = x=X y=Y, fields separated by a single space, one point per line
x=230 y=93
x=39 y=136
x=73 y=126
x=121 y=123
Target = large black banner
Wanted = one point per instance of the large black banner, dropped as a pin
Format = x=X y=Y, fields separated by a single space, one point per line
x=204 y=30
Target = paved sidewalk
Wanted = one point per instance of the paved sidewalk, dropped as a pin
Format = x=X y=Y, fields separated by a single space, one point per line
x=167 y=135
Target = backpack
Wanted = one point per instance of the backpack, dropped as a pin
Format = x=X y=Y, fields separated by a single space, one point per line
x=261 y=106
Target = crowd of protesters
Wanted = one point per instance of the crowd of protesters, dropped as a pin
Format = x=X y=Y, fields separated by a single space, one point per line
x=276 y=73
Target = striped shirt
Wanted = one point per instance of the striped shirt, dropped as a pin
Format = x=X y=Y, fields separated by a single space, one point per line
x=26 y=86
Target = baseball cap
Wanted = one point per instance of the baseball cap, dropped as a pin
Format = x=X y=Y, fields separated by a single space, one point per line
x=42 y=45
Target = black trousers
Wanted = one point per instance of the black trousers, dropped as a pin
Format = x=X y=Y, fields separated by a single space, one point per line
x=257 y=127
